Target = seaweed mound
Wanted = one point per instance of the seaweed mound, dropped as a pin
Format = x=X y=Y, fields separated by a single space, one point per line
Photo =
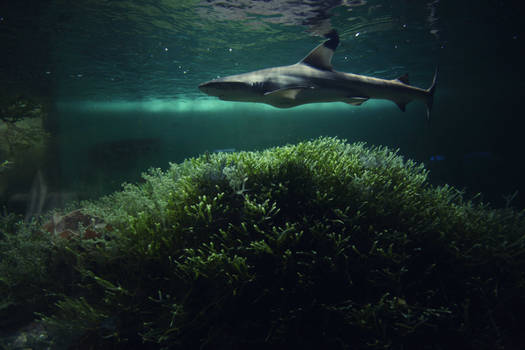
x=322 y=244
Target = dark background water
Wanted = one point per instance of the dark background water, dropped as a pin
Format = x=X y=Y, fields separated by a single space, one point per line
x=118 y=80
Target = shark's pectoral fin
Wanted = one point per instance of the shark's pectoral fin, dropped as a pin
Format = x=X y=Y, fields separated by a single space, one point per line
x=289 y=93
x=356 y=101
x=286 y=97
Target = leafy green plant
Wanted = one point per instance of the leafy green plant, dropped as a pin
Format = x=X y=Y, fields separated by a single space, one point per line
x=322 y=244
x=21 y=125
x=4 y=165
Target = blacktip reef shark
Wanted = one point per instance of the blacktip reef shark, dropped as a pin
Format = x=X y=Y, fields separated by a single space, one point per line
x=313 y=80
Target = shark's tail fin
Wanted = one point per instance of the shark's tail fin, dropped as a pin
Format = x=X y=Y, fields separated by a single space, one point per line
x=430 y=98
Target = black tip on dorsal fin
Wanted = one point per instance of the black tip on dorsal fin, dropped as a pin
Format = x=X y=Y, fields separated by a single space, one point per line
x=321 y=56
x=404 y=79
x=333 y=41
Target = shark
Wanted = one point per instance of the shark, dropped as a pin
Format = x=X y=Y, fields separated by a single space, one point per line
x=313 y=80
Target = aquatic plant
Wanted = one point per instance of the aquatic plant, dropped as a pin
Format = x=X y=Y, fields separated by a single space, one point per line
x=322 y=244
x=21 y=125
x=4 y=165
x=23 y=140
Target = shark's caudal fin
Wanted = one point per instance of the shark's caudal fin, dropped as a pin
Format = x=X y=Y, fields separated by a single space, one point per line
x=430 y=98
x=321 y=56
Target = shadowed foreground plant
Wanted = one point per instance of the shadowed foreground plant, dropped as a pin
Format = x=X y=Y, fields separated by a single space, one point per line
x=316 y=245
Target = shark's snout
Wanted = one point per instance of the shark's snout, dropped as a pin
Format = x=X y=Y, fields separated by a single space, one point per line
x=211 y=88
x=220 y=87
x=204 y=87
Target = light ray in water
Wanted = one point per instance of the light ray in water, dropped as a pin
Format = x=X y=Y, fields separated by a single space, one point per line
x=202 y=105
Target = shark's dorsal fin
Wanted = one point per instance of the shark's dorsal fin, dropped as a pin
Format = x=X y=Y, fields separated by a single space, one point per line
x=404 y=79
x=321 y=56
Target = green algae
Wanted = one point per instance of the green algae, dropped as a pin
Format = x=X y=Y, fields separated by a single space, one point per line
x=322 y=244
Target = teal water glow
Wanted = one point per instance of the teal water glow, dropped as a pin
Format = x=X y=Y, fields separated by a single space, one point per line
x=207 y=105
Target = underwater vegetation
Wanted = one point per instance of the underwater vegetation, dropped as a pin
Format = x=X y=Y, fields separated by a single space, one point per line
x=321 y=244
x=4 y=165
x=23 y=138
x=21 y=124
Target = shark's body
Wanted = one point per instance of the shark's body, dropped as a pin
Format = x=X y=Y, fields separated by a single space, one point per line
x=313 y=80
